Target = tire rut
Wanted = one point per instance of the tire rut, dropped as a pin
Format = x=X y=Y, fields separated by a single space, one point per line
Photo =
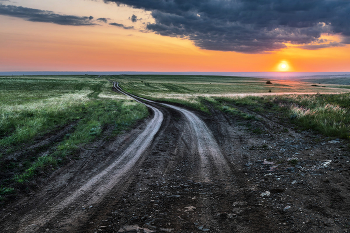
x=173 y=176
x=94 y=190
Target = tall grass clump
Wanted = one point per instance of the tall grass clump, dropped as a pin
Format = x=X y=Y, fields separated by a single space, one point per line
x=329 y=114
x=23 y=122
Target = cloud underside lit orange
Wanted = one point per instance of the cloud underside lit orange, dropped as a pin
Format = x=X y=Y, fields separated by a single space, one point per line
x=40 y=47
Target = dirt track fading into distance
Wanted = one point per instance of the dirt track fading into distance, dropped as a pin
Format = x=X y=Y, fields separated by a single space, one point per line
x=185 y=171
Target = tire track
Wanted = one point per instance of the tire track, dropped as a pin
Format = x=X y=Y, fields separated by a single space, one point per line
x=96 y=188
x=207 y=146
x=65 y=209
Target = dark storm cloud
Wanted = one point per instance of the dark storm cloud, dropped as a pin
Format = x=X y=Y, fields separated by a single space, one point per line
x=105 y=20
x=346 y=40
x=36 y=15
x=121 y=25
x=321 y=46
x=133 y=18
x=248 y=26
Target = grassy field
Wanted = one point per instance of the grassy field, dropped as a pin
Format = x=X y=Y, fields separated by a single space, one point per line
x=319 y=104
x=328 y=114
x=33 y=108
x=189 y=90
x=187 y=86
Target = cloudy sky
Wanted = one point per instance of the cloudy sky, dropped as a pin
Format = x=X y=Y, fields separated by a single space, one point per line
x=175 y=35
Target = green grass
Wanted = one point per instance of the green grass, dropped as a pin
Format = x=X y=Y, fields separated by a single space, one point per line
x=34 y=107
x=119 y=115
x=328 y=114
x=192 y=103
x=183 y=86
x=4 y=191
x=237 y=112
x=190 y=90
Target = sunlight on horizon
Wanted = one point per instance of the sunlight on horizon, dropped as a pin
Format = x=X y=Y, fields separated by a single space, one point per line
x=283 y=66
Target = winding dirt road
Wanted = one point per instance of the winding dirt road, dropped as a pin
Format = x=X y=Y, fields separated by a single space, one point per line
x=92 y=191
x=205 y=143
x=185 y=171
x=66 y=202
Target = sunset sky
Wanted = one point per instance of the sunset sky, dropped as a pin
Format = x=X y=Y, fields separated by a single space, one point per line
x=175 y=35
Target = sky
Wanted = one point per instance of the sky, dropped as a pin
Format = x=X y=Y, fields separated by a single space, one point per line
x=175 y=35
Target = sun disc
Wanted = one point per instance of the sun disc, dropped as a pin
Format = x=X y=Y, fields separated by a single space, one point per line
x=283 y=66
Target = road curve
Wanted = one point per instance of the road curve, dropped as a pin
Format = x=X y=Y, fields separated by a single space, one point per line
x=97 y=187
x=207 y=146
x=65 y=208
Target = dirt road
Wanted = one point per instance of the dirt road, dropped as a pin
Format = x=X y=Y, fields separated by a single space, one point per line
x=185 y=171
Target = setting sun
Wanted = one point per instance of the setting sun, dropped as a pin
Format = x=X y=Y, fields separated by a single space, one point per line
x=283 y=66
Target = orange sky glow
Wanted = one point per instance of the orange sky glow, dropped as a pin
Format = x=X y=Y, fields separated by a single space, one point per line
x=41 y=46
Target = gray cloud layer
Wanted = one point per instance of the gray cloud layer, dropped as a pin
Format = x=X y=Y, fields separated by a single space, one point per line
x=248 y=26
x=121 y=25
x=36 y=15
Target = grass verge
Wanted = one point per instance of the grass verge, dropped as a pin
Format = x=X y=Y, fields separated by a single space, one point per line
x=52 y=105
x=327 y=114
x=99 y=115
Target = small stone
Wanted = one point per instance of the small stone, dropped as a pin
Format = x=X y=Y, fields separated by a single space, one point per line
x=265 y=194
x=334 y=141
x=167 y=229
x=203 y=229
x=190 y=208
x=267 y=162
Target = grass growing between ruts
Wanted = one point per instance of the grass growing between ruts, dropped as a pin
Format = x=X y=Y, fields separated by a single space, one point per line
x=43 y=106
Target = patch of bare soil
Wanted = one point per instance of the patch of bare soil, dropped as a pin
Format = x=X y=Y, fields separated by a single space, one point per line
x=49 y=191
x=274 y=179
x=299 y=178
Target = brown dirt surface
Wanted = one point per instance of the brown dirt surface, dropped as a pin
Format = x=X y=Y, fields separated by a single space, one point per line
x=198 y=173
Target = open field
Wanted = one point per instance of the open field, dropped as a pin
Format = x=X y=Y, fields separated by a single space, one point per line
x=189 y=89
x=52 y=118
x=212 y=154
x=328 y=114
x=192 y=86
x=298 y=100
